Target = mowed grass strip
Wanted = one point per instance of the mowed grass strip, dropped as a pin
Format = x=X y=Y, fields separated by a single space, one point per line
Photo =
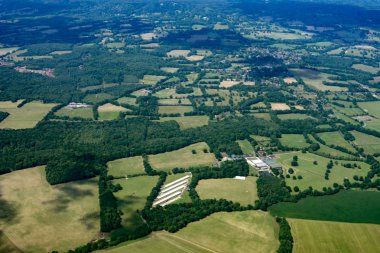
x=133 y=197
x=245 y=146
x=186 y=122
x=314 y=175
x=25 y=117
x=340 y=237
x=126 y=167
x=294 y=141
x=43 y=218
x=346 y=206
x=236 y=232
x=240 y=191
x=174 y=109
x=183 y=158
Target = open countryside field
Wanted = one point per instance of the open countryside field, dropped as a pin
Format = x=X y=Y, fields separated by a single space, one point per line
x=294 y=116
x=174 y=109
x=221 y=232
x=97 y=98
x=339 y=237
x=336 y=138
x=174 y=101
x=346 y=206
x=366 y=68
x=178 y=53
x=183 y=158
x=186 y=122
x=240 y=191
x=6 y=245
x=25 y=117
x=45 y=217
x=85 y=113
x=126 y=167
x=127 y=100
x=245 y=146
x=325 y=150
x=152 y=79
x=314 y=175
x=109 y=111
x=294 y=141
x=315 y=79
x=170 y=92
x=279 y=106
x=133 y=197
x=369 y=143
x=373 y=109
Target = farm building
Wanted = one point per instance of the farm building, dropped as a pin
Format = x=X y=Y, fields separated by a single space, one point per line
x=172 y=191
x=258 y=163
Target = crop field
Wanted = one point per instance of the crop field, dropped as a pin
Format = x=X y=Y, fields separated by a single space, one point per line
x=174 y=109
x=195 y=57
x=315 y=79
x=294 y=116
x=240 y=191
x=127 y=100
x=346 y=206
x=220 y=232
x=25 y=117
x=258 y=105
x=314 y=175
x=279 y=106
x=178 y=53
x=373 y=108
x=147 y=36
x=110 y=112
x=97 y=98
x=245 y=146
x=85 y=113
x=294 y=141
x=126 y=167
x=133 y=197
x=42 y=217
x=183 y=158
x=169 y=70
x=336 y=138
x=369 y=143
x=152 y=79
x=334 y=236
x=227 y=84
x=366 y=68
x=186 y=122
x=174 y=101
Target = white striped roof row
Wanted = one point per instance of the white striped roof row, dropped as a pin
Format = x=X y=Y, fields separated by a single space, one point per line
x=171 y=191
x=170 y=201
x=176 y=181
x=167 y=198
x=173 y=186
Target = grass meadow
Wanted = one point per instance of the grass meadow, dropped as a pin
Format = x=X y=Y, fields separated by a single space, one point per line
x=110 y=112
x=373 y=108
x=294 y=116
x=174 y=109
x=294 y=141
x=186 y=122
x=336 y=138
x=369 y=143
x=85 y=113
x=245 y=146
x=126 y=167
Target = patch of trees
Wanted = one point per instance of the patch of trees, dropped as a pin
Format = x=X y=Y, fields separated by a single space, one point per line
x=179 y=89
x=271 y=190
x=3 y=115
x=285 y=236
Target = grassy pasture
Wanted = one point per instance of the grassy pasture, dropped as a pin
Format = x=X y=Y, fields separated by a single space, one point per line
x=85 y=113
x=373 y=108
x=183 y=158
x=315 y=79
x=220 y=232
x=174 y=109
x=366 y=68
x=174 y=101
x=279 y=106
x=245 y=146
x=133 y=197
x=110 y=112
x=97 y=98
x=167 y=93
x=178 y=53
x=369 y=143
x=45 y=217
x=195 y=57
x=345 y=206
x=336 y=138
x=294 y=141
x=294 y=116
x=334 y=236
x=186 y=122
x=151 y=79
x=323 y=150
x=261 y=115
x=126 y=167
x=241 y=191
x=8 y=50
x=127 y=100
x=169 y=70
x=313 y=175
x=25 y=117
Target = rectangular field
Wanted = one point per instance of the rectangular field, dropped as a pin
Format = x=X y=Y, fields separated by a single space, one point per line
x=336 y=138
x=186 y=122
x=43 y=218
x=245 y=146
x=340 y=237
x=174 y=109
x=373 y=109
x=126 y=167
x=294 y=141
x=183 y=158
x=85 y=113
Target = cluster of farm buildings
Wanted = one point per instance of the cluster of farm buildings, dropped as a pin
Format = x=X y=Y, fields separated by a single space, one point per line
x=172 y=191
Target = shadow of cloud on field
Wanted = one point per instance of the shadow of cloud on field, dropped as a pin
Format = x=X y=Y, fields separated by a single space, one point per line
x=8 y=211
x=88 y=220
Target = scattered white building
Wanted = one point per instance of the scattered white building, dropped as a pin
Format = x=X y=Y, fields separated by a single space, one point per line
x=172 y=191
x=258 y=163
x=74 y=105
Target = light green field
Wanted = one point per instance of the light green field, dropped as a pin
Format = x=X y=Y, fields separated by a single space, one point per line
x=7 y=50
x=45 y=217
x=340 y=237
x=234 y=232
x=174 y=109
x=369 y=143
x=183 y=158
x=25 y=117
x=315 y=79
x=240 y=191
x=174 y=101
x=167 y=93
x=336 y=138
x=110 y=112
x=353 y=111
x=366 y=68
x=152 y=79
x=261 y=115
x=294 y=116
x=245 y=146
x=133 y=197
x=169 y=70
x=373 y=108
x=186 y=122
x=126 y=167
x=294 y=141
x=127 y=100
x=325 y=150
x=314 y=175
x=97 y=98
x=6 y=245
x=258 y=105
x=85 y=113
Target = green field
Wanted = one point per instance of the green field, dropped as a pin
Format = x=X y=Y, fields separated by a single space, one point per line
x=325 y=150
x=373 y=108
x=369 y=143
x=85 y=113
x=294 y=116
x=25 y=117
x=42 y=217
x=240 y=191
x=97 y=98
x=126 y=167
x=346 y=206
x=133 y=197
x=245 y=146
x=234 y=232
x=186 y=122
x=314 y=175
x=152 y=79
x=315 y=79
x=127 y=100
x=339 y=237
x=174 y=109
x=294 y=141
x=336 y=138
x=174 y=101
x=366 y=68
x=183 y=158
